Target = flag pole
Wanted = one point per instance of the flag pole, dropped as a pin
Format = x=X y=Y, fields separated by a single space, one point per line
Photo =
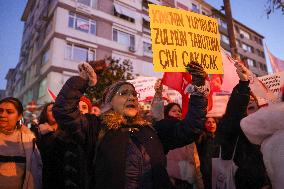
x=230 y=23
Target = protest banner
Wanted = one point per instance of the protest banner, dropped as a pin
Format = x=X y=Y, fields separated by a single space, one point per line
x=145 y=87
x=179 y=37
x=219 y=106
x=274 y=82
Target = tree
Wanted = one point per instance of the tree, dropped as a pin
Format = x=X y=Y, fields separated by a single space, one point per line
x=115 y=70
x=273 y=5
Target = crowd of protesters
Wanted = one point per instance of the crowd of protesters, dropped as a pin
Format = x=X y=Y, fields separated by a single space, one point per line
x=77 y=144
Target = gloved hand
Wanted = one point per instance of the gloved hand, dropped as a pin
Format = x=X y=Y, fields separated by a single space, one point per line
x=197 y=72
x=158 y=87
x=87 y=72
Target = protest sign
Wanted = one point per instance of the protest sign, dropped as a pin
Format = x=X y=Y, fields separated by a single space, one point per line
x=274 y=82
x=179 y=37
x=219 y=106
x=145 y=87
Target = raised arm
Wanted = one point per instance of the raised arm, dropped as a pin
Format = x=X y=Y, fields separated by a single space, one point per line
x=174 y=133
x=65 y=109
x=157 y=105
x=229 y=126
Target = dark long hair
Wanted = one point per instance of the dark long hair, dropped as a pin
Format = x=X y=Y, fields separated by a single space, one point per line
x=16 y=102
x=168 y=107
x=43 y=115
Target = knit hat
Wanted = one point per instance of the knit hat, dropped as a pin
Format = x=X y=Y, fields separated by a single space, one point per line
x=87 y=101
x=110 y=92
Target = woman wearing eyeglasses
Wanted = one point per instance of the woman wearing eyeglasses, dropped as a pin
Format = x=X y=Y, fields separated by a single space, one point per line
x=124 y=150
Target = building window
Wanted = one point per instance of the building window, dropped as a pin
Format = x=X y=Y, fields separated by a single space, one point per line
x=262 y=54
x=247 y=48
x=251 y=63
x=42 y=88
x=260 y=41
x=237 y=29
x=89 y=3
x=204 y=12
x=256 y=39
x=146 y=23
x=181 y=6
x=147 y=48
x=123 y=38
x=244 y=34
x=78 y=53
x=124 y=13
x=225 y=39
x=194 y=8
x=263 y=67
x=45 y=57
x=82 y=23
x=222 y=23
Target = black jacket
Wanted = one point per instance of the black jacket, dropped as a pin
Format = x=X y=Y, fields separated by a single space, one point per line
x=251 y=173
x=110 y=158
x=207 y=148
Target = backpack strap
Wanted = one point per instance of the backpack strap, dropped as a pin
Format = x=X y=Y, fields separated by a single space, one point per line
x=235 y=148
x=220 y=152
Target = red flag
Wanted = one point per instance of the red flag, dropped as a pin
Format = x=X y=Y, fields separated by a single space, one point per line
x=52 y=95
x=178 y=81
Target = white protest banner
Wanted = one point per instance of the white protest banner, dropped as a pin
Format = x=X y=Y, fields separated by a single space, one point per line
x=219 y=106
x=145 y=87
x=274 y=82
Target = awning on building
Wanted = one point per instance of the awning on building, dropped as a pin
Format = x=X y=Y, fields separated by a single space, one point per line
x=123 y=10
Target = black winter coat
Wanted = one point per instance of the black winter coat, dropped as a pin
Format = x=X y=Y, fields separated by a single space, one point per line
x=207 y=148
x=251 y=173
x=109 y=168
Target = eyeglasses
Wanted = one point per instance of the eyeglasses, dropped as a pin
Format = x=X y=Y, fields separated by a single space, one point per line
x=127 y=93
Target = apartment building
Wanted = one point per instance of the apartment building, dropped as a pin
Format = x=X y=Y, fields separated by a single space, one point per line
x=58 y=34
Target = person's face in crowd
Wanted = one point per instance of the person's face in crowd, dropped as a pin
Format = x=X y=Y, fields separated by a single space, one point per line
x=175 y=112
x=96 y=111
x=210 y=125
x=50 y=118
x=125 y=101
x=8 y=116
x=216 y=84
x=252 y=106
x=83 y=107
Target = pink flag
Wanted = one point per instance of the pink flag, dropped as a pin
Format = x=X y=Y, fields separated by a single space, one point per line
x=230 y=77
x=276 y=63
